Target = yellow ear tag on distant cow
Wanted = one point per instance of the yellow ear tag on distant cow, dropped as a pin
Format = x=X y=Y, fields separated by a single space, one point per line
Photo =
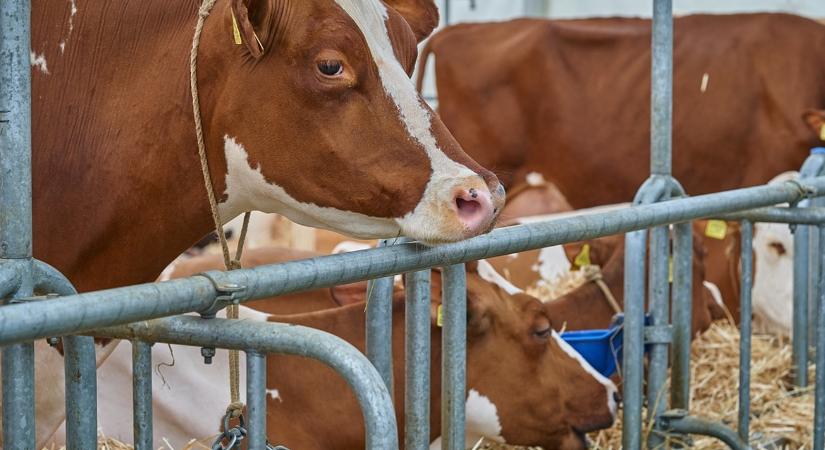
x=236 y=33
x=822 y=133
x=439 y=317
x=583 y=258
x=670 y=269
x=716 y=229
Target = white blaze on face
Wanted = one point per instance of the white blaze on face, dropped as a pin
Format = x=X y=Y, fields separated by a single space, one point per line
x=715 y=293
x=370 y=16
x=247 y=189
x=489 y=274
x=609 y=387
x=773 y=278
x=773 y=272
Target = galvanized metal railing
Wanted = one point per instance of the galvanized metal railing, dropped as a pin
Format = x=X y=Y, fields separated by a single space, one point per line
x=141 y=313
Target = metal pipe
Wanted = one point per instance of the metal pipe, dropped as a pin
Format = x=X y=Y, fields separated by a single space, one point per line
x=18 y=397
x=781 y=214
x=680 y=422
x=633 y=340
x=682 y=314
x=84 y=312
x=379 y=326
x=15 y=130
x=142 y=395
x=9 y=278
x=80 y=367
x=746 y=259
x=417 y=361
x=659 y=307
x=81 y=392
x=812 y=167
x=819 y=376
x=266 y=337
x=15 y=213
x=453 y=356
x=256 y=400
x=661 y=98
x=800 y=306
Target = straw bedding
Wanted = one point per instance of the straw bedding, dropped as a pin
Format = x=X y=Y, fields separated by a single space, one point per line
x=779 y=414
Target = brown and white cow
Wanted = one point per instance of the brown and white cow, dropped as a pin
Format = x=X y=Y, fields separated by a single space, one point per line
x=308 y=112
x=525 y=385
x=773 y=253
x=570 y=99
x=319 y=122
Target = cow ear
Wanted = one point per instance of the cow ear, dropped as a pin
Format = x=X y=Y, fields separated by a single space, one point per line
x=421 y=15
x=251 y=22
x=816 y=120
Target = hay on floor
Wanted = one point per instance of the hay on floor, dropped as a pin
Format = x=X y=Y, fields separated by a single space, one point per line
x=780 y=414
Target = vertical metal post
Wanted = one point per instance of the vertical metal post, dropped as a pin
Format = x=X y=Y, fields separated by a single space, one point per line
x=18 y=397
x=379 y=326
x=142 y=395
x=256 y=400
x=819 y=395
x=800 y=304
x=81 y=392
x=453 y=356
x=15 y=210
x=633 y=341
x=745 y=331
x=417 y=362
x=659 y=317
x=806 y=268
x=661 y=99
x=682 y=315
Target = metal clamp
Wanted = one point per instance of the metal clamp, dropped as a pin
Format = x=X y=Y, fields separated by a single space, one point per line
x=226 y=295
x=658 y=334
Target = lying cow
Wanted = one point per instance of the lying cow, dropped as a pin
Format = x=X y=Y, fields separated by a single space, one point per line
x=569 y=99
x=526 y=386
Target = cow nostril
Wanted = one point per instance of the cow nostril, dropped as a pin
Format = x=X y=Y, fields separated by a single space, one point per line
x=617 y=397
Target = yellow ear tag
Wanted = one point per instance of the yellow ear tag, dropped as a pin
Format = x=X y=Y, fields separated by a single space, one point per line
x=670 y=269
x=236 y=33
x=716 y=229
x=439 y=317
x=583 y=258
x=822 y=133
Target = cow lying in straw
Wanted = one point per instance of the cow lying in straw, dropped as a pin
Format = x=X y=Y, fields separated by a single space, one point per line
x=510 y=341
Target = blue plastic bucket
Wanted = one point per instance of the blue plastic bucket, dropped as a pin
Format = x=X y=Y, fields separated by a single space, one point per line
x=601 y=348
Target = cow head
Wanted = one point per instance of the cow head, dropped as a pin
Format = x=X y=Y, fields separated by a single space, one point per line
x=526 y=386
x=310 y=110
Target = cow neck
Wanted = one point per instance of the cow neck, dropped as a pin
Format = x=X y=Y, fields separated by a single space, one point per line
x=125 y=206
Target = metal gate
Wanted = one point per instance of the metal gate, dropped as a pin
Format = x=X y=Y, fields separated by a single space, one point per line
x=148 y=313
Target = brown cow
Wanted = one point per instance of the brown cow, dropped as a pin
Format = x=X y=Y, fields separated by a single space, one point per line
x=570 y=99
x=319 y=121
x=307 y=110
x=525 y=385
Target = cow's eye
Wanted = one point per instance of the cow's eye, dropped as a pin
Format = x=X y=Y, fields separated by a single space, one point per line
x=331 y=67
x=543 y=333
